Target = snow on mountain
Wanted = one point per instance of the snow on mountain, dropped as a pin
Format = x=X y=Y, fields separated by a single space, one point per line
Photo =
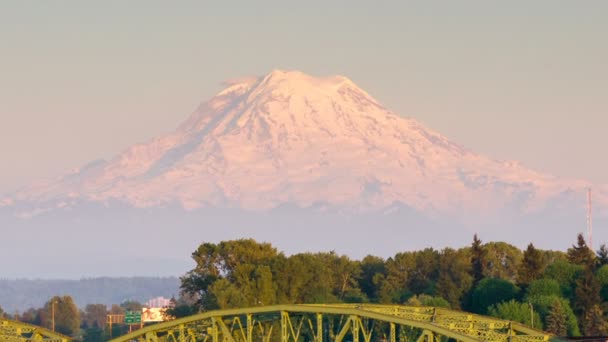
x=292 y=138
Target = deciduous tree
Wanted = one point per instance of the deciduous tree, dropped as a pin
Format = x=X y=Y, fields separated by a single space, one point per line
x=454 y=279
x=491 y=291
x=65 y=313
x=515 y=311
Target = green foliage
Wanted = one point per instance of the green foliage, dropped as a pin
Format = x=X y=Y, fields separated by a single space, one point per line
x=95 y=334
x=246 y=273
x=594 y=323
x=95 y=316
x=602 y=255
x=557 y=319
x=602 y=277
x=586 y=296
x=478 y=260
x=454 y=279
x=543 y=304
x=393 y=288
x=426 y=300
x=517 y=312
x=532 y=266
x=580 y=253
x=65 y=313
x=372 y=267
x=502 y=261
x=491 y=291
x=232 y=273
x=181 y=307
x=424 y=274
x=544 y=287
x=565 y=273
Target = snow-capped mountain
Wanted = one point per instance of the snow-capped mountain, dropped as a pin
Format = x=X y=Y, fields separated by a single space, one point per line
x=292 y=138
x=321 y=144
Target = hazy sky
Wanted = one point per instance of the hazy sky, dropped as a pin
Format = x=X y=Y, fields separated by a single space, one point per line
x=526 y=80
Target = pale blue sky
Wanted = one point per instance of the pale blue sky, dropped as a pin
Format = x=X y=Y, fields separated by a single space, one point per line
x=526 y=80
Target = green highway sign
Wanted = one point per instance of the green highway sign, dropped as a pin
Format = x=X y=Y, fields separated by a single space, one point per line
x=132 y=317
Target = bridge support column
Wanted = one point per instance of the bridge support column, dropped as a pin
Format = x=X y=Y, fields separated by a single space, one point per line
x=182 y=333
x=151 y=337
x=214 y=331
x=344 y=330
x=319 y=328
x=284 y=327
x=427 y=336
x=356 y=322
x=249 y=328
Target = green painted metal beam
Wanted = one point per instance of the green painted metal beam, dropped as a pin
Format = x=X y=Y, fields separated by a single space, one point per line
x=14 y=331
x=427 y=321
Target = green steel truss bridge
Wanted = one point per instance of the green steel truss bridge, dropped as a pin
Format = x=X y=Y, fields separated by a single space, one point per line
x=13 y=331
x=337 y=323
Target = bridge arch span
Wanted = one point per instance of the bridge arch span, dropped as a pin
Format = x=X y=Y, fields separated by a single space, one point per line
x=337 y=323
x=14 y=331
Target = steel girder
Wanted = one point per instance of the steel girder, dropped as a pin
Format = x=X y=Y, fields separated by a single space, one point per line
x=13 y=331
x=337 y=323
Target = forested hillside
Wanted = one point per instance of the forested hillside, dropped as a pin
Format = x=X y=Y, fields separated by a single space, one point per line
x=22 y=294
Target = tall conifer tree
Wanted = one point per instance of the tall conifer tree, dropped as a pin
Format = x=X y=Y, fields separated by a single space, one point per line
x=478 y=260
x=531 y=267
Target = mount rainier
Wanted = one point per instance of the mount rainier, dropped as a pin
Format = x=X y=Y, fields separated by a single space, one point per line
x=306 y=163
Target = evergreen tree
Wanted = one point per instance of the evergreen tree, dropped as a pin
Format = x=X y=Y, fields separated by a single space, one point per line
x=594 y=323
x=478 y=260
x=602 y=255
x=581 y=254
x=556 y=321
x=532 y=266
x=586 y=296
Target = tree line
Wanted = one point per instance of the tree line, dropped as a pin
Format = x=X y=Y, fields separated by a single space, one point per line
x=561 y=292
x=564 y=293
x=87 y=325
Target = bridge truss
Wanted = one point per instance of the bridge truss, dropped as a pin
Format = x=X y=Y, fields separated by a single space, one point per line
x=13 y=331
x=337 y=323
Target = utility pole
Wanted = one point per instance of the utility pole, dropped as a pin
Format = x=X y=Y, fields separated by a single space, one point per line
x=531 y=315
x=589 y=219
x=53 y=314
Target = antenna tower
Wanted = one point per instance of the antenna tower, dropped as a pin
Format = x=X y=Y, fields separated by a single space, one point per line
x=589 y=219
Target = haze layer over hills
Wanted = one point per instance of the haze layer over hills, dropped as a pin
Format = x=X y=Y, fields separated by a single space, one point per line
x=304 y=162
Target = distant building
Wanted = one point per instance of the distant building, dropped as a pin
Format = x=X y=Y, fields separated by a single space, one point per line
x=158 y=302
